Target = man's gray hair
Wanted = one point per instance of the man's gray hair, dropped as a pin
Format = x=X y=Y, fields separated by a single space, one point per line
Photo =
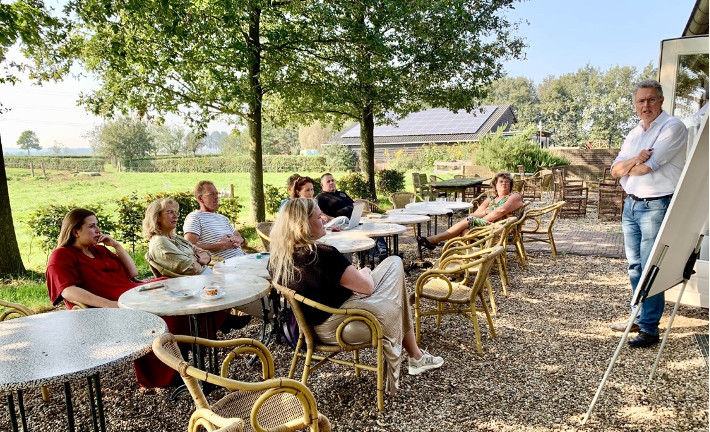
x=648 y=84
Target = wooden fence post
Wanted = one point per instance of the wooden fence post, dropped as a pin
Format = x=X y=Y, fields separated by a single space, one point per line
x=32 y=169
x=44 y=172
x=231 y=190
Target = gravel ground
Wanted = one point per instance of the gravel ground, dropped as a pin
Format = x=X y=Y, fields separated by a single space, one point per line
x=539 y=374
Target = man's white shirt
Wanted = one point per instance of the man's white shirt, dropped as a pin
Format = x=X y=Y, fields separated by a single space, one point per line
x=668 y=137
x=210 y=228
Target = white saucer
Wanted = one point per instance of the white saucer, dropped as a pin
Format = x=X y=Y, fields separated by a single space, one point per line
x=177 y=295
x=219 y=294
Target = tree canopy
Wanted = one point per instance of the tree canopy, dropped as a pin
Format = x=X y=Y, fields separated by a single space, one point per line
x=376 y=61
x=28 y=141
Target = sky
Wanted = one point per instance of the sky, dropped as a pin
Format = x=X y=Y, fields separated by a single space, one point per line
x=562 y=36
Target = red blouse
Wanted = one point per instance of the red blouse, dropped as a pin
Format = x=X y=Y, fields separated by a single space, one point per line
x=103 y=275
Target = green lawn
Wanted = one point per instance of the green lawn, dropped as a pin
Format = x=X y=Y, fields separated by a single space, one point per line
x=28 y=194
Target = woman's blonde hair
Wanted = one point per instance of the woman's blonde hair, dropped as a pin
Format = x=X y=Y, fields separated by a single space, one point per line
x=292 y=229
x=72 y=220
x=151 y=226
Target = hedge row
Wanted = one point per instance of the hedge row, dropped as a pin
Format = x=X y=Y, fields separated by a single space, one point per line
x=59 y=163
x=225 y=164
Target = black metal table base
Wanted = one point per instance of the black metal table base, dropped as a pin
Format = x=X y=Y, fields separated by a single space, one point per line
x=97 y=407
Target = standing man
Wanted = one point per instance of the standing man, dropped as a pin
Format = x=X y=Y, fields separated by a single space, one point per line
x=649 y=165
x=332 y=202
x=209 y=230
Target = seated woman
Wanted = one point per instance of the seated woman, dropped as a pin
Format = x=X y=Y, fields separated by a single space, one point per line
x=174 y=255
x=289 y=186
x=303 y=187
x=496 y=207
x=83 y=270
x=321 y=273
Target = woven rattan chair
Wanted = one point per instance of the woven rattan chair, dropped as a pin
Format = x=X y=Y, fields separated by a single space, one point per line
x=475 y=239
x=313 y=343
x=158 y=270
x=263 y=230
x=536 y=226
x=274 y=404
x=458 y=296
x=370 y=207
x=16 y=310
x=400 y=199
x=574 y=192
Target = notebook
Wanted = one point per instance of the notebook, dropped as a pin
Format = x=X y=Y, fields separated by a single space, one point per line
x=355 y=217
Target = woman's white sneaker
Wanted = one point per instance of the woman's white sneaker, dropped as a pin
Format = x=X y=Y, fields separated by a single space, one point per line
x=426 y=362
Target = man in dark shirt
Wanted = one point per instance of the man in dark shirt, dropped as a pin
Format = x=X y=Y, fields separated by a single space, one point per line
x=332 y=202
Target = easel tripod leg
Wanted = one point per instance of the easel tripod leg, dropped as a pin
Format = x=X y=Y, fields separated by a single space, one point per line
x=667 y=332
x=611 y=364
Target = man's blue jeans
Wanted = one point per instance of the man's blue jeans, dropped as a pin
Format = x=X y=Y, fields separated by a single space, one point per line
x=640 y=222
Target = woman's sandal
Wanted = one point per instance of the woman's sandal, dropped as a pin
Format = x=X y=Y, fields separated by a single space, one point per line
x=423 y=241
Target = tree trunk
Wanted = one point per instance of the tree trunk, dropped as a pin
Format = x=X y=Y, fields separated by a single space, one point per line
x=10 y=259
x=367 y=147
x=258 y=211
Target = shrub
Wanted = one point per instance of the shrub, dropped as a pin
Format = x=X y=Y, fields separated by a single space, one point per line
x=389 y=181
x=59 y=163
x=130 y=215
x=500 y=154
x=273 y=197
x=45 y=223
x=217 y=163
x=354 y=185
x=338 y=157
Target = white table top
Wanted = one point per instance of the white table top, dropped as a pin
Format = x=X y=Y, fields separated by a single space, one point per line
x=51 y=348
x=347 y=241
x=453 y=205
x=250 y=265
x=429 y=210
x=378 y=229
x=398 y=218
x=183 y=295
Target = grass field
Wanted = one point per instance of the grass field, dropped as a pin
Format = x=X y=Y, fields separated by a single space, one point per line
x=28 y=194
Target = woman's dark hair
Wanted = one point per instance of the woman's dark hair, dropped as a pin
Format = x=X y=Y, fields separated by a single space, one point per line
x=299 y=184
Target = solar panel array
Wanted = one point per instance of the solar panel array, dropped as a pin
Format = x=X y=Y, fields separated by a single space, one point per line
x=435 y=121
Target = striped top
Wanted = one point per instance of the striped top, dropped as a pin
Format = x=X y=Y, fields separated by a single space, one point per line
x=210 y=228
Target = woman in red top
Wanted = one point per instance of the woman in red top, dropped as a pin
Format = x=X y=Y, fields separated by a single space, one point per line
x=81 y=270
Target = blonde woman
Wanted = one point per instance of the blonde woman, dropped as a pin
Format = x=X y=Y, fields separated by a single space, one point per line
x=321 y=273
x=168 y=250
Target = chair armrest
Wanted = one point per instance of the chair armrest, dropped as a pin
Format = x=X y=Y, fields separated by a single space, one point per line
x=205 y=419
x=238 y=346
x=353 y=314
x=296 y=389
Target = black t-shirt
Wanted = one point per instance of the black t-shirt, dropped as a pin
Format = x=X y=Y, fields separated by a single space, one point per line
x=335 y=204
x=319 y=279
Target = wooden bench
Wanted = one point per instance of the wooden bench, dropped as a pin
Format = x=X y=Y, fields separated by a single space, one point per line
x=456 y=167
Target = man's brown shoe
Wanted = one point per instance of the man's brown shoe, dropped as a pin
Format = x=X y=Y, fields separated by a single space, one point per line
x=620 y=327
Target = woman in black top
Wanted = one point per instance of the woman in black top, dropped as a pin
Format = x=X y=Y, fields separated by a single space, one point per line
x=321 y=273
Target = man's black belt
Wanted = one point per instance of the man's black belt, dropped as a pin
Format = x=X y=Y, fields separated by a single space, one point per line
x=635 y=198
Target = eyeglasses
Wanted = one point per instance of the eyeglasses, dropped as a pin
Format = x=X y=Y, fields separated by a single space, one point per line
x=650 y=101
x=170 y=212
x=213 y=195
